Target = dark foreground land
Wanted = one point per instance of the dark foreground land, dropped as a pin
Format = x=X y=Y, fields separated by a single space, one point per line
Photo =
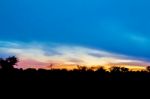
x=61 y=81
x=74 y=75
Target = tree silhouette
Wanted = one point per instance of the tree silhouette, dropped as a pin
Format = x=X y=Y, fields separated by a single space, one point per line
x=51 y=66
x=8 y=63
x=123 y=69
x=82 y=68
x=148 y=68
x=115 y=69
x=101 y=70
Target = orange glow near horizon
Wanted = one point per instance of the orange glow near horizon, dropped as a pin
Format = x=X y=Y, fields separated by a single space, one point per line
x=94 y=67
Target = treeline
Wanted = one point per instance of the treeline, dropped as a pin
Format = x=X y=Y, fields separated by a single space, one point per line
x=8 y=72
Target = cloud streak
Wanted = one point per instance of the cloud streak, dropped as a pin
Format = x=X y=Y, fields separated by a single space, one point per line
x=36 y=55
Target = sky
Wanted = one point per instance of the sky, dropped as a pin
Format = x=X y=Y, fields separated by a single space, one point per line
x=88 y=32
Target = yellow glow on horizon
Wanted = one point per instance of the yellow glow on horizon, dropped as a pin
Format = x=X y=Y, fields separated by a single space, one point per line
x=95 y=67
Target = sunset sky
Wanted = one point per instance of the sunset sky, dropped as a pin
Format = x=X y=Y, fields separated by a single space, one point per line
x=85 y=32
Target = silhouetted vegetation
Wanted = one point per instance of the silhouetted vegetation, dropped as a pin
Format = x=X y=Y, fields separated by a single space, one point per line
x=8 y=63
x=8 y=72
x=148 y=68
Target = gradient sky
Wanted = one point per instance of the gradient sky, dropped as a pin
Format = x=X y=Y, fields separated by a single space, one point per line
x=120 y=27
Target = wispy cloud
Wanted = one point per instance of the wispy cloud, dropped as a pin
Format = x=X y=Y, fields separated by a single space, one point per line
x=40 y=55
x=141 y=40
x=123 y=36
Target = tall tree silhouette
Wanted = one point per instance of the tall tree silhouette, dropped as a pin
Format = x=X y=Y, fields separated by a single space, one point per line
x=8 y=63
x=51 y=66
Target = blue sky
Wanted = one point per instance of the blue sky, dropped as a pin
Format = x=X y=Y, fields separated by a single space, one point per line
x=118 y=26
